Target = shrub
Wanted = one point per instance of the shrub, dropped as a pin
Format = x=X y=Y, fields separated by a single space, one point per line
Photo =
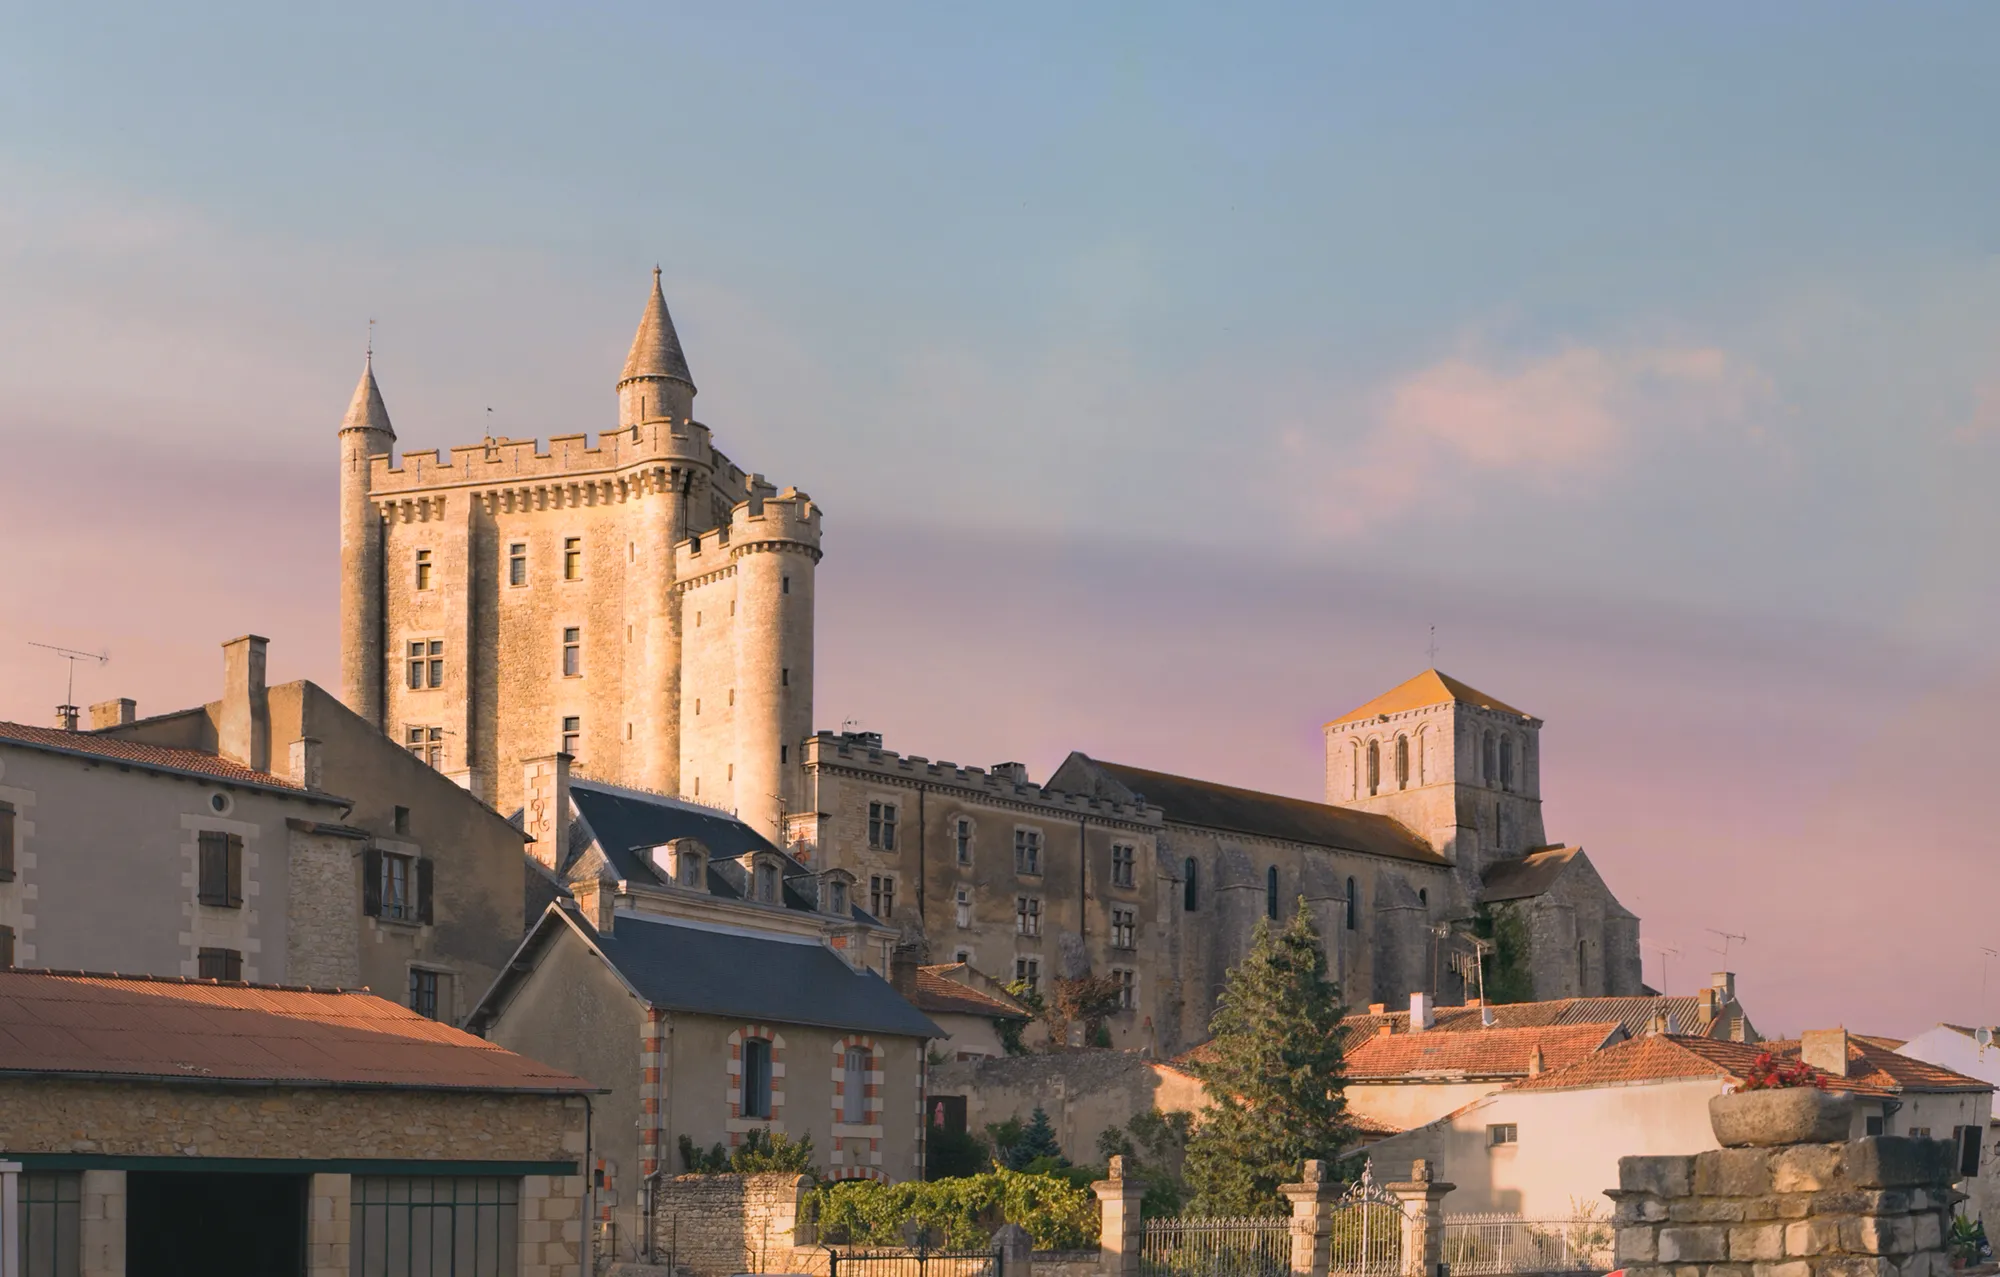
x=963 y=1212
x=953 y=1154
x=1767 y=1073
x=759 y=1152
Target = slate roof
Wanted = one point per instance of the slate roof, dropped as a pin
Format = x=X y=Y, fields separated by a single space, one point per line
x=937 y=993
x=624 y=822
x=1529 y=876
x=656 y=348
x=162 y=758
x=367 y=411
x=1187 y=801
x=184 y=1030
x=677 y=965
x=1432 y=1056
x=1432 y=687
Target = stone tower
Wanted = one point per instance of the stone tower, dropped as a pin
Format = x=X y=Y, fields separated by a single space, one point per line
x=1455 y=766
x=643 y=605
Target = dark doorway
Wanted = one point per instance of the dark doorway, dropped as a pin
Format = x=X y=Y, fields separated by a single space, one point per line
x=192 y=1224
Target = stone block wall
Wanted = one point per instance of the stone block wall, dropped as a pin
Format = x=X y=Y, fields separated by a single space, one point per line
x=720 y=1224
x=1876 y=1207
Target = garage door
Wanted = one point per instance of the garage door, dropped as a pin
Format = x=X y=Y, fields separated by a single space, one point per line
x=436 y=1226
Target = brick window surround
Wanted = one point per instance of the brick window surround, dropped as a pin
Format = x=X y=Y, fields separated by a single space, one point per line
x=848 y=1160
x=737 y=1122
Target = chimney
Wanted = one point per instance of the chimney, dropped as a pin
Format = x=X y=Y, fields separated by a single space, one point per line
x=595 y=900
x=113 y=713
x=1016 y=772
x=903 y=969
x=305 y=761
x=1535 y=1061
x=1420 y=1012
x=243 y=735
x=1724 y=984
x=1673 y=1023
x=1377 y=1008
x=1825 y=1050
x=1708 y=1005
x=545 y=808
x=66 y=717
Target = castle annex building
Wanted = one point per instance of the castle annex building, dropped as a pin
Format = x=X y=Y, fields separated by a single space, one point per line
x=645 y=605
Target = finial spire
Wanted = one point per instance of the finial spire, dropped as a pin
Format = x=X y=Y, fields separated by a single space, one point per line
x=656 y=350
x=367 y=411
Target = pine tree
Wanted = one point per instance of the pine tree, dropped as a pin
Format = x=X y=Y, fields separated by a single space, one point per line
x=1272 y=1073
x=1038 y=1141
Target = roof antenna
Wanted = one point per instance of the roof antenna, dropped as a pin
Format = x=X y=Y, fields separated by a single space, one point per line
x=370 y=357
x=1727 y=936
x=1432 y=650
x=66 y=712
x=1665 y=951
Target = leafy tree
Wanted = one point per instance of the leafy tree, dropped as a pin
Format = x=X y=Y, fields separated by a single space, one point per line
x=1087 y=1000
x=760 y=1151
x=1154 y=1146
x=1010 y=1030
x=1508 y=977
x=1272 y=1073
x=1036 y=1143
x=952 y=1154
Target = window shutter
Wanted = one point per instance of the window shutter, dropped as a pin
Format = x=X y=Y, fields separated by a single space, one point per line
x=6 y=946
x=235 y=878
x=1968 y=1152
x=6 y=842
x=424 y=891
x=371 y=882
x=232 y=964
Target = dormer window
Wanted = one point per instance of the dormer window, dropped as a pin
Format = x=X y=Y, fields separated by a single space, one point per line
x=688 y=873
x=834 y=893
x=836 y=897
x=765 y=882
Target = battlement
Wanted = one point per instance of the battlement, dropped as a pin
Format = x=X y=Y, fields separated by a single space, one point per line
x=831 y=749
x=765 y=517
x=503 y=462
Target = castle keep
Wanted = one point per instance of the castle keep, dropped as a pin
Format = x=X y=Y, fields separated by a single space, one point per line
x=645 y=605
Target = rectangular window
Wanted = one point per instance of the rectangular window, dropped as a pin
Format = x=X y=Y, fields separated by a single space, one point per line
x=572 y=651
x=1027 y=971
x=1920 y=1132
x=1124 y=865
x=1502 y=1133
x=1028 y=851
x=219 y=964
x=572 y=736
x=1128 y=987
x=220 y=878
x=402 y=820
x=416 y=667
x=881 y=896
x=785 y=676
x=437 y=662
x=51 y=1223
x=1027 y=915
x=424 y=992
x=964 y=905
x=854 y=1086
x=572 y=558
x=435 y=1225
x=426 y=664
x=962 y=837
x=6 y=842
x=6 y=946
x=1124 y=928
x=1871 y=1125
x=882 y=826
x=427 y=743
x=787 y=587
x=517 y=563
x=1967 y=1139
x=398 y=896
x=756 y=1063
x=423 y=569
x=963 y=955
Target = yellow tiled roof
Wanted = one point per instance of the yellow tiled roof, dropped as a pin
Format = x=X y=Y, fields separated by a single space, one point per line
x=1427 y=688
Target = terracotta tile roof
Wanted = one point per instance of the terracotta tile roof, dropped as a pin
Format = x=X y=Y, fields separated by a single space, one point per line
x=1529 y=876
x=1428 y=688
x=187 y=762
x=1489 y=1053
x=1872 y=1070
x=1635 y=1014
x=1873 y=1067
x=937 y=993
x=205 y=1030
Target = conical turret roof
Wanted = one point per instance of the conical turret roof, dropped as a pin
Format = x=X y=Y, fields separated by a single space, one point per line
x=367 y=411
x=656 y=351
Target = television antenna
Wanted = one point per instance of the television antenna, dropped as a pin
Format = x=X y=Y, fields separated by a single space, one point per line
x=68 y=708
x=1432 y=650
x=1986 y=1007
x=1727 y=937
x=1665 y=951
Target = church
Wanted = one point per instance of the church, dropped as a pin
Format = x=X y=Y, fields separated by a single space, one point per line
x=641 y=609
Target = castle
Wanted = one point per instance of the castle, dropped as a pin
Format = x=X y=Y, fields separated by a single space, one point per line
x=645 y=608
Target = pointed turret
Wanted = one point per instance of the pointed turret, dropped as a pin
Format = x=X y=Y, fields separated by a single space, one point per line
x=367 y=411
x=365 y=434
x=656 y=382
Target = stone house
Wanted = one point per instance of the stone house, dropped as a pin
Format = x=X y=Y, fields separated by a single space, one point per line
x=968 y=1006
x=714 y=988
x=409 y=885
x=1542 y=1143
x=1396 y=1081
x=190 y=1126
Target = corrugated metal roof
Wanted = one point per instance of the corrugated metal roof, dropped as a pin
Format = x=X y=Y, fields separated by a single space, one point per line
x=200 y=1030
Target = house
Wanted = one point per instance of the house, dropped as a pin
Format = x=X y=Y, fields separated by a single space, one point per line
x=1709 y=1012
x=1971 y=1051
x=196 y=1126
x=1543 y=1145
x=968 y=1006
x=1400 y=1080
x=714 y=988
x=407 y=885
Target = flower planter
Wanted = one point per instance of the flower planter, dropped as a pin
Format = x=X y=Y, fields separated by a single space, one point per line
x=1787 y=1115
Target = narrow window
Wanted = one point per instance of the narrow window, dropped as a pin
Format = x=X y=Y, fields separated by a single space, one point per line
x=436 y=654
x=1128 y=987
x=572 y=558
x=1489 y=760
x=963 y=837
x=1271 y=892
x=1124 y=865
x=6 y=842
x=1190 y=890
x=964 y=907
x=572 y=736
x=517 y=563
x=787 y=586
x=220 y=882
x=732 y=696
x=1424 y=896
x=767 y=883
x=1027 y=915
x=423 y=569
x=572 y=651
x=854 y=1086
x=1028 y=851
x=1582 y=967
x=1353 y=910
x=1027 y=971
x=1506 y=762
x=836 y=898
x=785 y=676
x=219 y=964
x=1374 y=767
x=784 y=754
x=6 y=946
x=424 y=993
x=416 y=666
x=1354 y=769
x=402 y=820
x=690 y=875
x=756 y=1064
x=1124 y=928
x=1402 y=762
x=882 y=896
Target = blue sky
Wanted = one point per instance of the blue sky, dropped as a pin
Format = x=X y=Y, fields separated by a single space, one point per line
x=1648 y=351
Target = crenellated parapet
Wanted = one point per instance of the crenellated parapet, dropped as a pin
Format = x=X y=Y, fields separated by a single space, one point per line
x=832 y=749
x=568 y=459
x=784 y=521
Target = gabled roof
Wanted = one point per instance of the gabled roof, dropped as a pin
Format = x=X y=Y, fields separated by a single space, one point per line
x=1872 y=1070
x=367 y=411
x=160 y=758
x=1635 y=1015
x=1492 y=1053
x=937 y=993
x=1203 y=803
x=656 y=348
x=182 y=1030
x=1428 y=688
x=1529 y=876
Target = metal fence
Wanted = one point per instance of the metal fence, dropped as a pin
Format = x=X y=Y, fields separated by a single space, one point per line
x=916 y=1262
x=1366 y=1237
x=1485 y=1244
x=1251 y=1247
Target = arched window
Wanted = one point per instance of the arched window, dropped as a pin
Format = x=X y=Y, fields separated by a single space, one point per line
x=1402 y=762
x=1582 y=966
x=1271 y=892
x=1489 y=761
x=1190 y=893
x=1351 y=909
x=1506 y=762
x=1374 y=767
x=1424 y=896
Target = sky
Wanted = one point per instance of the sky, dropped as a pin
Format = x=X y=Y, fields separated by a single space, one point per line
x=1166 y=372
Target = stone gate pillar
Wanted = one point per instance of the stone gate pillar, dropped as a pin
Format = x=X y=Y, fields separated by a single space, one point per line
x=1312 y=1220
x=1121 y=1231
x=1423 y=1219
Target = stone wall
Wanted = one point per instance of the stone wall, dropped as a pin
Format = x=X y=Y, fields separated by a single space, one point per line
x=1876 y=1207
x=719 y=1224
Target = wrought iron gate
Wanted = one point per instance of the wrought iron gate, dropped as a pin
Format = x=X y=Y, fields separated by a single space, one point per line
x=1367 y=1231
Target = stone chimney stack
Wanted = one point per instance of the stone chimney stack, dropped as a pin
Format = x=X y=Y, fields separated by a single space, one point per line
x=306 y=765
x=113 y=713
x=545 y=808
x=903 y=962
x=243 y=735
x=597 y=901
x=1724 y=984
x=1421 y=1017
x=1536 y=1062
x=1825 y=1050
x=66 y=717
